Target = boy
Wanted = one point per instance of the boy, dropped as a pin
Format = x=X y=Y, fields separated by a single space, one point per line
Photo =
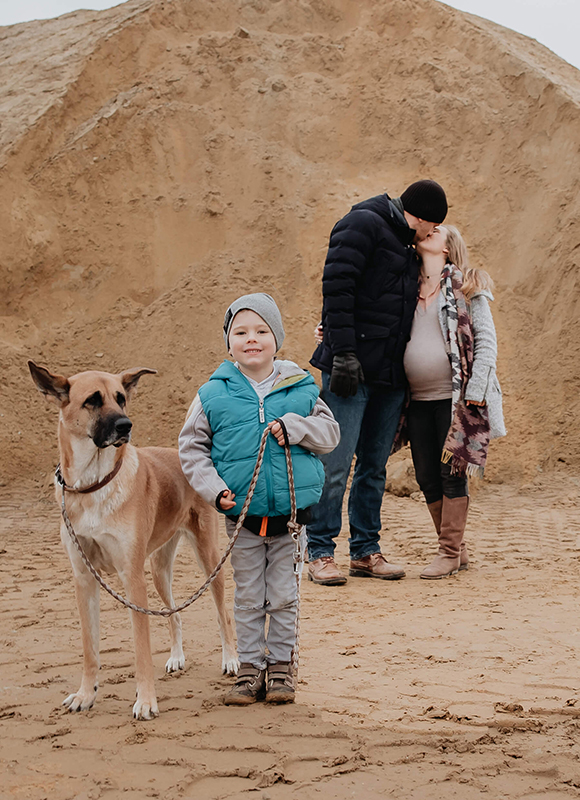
x=218 y=447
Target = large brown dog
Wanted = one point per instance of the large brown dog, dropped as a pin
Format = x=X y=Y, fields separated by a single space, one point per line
x=142 y=511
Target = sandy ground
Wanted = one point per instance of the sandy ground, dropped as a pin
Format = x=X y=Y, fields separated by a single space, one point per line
x=161 y=158
x=464 y=688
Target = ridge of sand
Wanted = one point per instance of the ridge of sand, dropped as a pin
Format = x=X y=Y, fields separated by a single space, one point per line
x=163 y=156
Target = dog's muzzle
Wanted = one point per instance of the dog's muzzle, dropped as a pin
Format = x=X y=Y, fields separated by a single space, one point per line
x=114 y=431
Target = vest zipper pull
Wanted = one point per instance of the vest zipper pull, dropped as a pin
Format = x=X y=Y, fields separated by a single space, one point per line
x=262 y=415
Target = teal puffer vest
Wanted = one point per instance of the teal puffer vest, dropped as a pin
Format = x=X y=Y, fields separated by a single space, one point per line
x=237 y=418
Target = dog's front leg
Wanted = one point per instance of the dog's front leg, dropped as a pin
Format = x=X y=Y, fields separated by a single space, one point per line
x=87 y=595
x=146 y=704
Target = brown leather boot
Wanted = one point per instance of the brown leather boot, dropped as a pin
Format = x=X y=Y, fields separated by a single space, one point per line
x=249 y=687
x=453 y=519
x=325 y=572
x=279 y=688
x=435 y=511
x=375 y=566
x=463 y=558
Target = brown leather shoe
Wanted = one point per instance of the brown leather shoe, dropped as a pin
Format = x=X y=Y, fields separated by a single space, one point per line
x=375 y=566
x=325 y=572
x=279 y=688
x=249 y=687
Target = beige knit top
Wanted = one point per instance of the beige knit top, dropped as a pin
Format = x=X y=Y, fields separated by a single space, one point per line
x=426 y=362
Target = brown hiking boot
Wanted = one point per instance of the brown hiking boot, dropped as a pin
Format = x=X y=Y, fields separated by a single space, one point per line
x=279 y=690
x=375 y=566
x=325 y=572
x=250 y=686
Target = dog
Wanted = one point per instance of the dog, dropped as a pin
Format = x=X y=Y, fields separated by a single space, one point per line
x=138 y=504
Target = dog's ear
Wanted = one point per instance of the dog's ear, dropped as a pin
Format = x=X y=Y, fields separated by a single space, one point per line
x=130 y=378
x=54 y=387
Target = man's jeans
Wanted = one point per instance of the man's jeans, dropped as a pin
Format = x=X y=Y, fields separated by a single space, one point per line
x=368 y=423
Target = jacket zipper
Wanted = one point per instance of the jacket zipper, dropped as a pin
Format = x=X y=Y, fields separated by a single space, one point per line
x=262 y=417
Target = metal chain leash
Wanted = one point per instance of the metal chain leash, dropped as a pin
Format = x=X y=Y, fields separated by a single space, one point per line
x=167 y=612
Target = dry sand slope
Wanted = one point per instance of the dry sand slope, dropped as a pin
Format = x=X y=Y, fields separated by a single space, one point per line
x=464 y=688
x=161 y=157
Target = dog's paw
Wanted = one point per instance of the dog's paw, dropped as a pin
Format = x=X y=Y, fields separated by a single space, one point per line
x=230 y=665
x=80 y=701
x=175 y=663
x=144 y=709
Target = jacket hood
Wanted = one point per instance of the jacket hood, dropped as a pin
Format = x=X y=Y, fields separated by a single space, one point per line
x=385 y=208
x=228 y=371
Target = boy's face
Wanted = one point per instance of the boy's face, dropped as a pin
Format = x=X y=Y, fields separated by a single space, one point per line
x=252 y=343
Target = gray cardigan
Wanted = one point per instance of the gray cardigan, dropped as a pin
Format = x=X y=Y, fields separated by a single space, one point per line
x=483 y=384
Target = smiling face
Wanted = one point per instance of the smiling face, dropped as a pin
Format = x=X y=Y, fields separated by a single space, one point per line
x=435 y=244
x=252 y=344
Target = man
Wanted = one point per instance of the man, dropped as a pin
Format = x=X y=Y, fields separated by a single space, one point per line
x=370 y=292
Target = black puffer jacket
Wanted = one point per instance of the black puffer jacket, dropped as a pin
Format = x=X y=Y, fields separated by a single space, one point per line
x=370 y=291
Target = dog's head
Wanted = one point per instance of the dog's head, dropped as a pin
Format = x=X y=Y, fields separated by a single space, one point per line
x=92 y=404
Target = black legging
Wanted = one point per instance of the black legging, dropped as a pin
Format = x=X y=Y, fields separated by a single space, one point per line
x=428 y=424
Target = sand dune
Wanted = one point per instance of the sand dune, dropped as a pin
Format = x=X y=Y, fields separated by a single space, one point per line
x=161 y=157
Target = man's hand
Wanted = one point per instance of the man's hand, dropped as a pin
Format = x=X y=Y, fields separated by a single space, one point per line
x=479 y=403
x=227 y=500
x=346 y=375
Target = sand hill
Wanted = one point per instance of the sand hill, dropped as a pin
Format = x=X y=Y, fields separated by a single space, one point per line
x=159 y=158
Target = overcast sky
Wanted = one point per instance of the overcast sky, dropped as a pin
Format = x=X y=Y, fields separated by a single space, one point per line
x=555 y=23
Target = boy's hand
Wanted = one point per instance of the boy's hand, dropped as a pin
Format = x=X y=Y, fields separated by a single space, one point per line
x=277 y=432
x=227 y=500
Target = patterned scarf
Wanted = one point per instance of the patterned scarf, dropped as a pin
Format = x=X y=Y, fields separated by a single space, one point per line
x=468 y=439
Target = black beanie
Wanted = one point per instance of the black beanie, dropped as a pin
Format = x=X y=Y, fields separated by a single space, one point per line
x=425 y=200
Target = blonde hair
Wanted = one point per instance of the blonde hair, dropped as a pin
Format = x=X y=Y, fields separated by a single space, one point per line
x=474 y=280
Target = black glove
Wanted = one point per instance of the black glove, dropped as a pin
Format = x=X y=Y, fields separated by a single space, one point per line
x=346 y=375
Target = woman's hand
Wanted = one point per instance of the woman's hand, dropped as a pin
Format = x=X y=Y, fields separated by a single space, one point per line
x=227 y=500
x=479 y=403
x=318 y=333
x=277 y=432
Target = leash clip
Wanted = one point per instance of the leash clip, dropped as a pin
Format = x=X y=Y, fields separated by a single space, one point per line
x=295 y=532
x=58 y=476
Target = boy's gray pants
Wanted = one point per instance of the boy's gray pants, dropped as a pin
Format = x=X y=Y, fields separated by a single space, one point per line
x=265 y=584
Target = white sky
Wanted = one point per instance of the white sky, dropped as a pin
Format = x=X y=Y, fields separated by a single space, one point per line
x=554 y=23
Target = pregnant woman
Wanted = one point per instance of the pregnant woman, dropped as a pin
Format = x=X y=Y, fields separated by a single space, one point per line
x=455 y=403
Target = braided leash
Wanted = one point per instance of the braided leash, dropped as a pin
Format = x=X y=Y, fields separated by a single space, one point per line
x=295 y=531
x=167 y=612
x=293 y=528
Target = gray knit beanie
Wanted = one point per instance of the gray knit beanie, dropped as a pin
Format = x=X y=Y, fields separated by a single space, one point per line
x=264 y=306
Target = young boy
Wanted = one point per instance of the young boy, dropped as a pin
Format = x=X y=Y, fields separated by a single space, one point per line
x=218 y=447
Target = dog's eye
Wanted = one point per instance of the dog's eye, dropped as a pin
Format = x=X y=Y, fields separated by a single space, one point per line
x=121 y=399
x=94 y=401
